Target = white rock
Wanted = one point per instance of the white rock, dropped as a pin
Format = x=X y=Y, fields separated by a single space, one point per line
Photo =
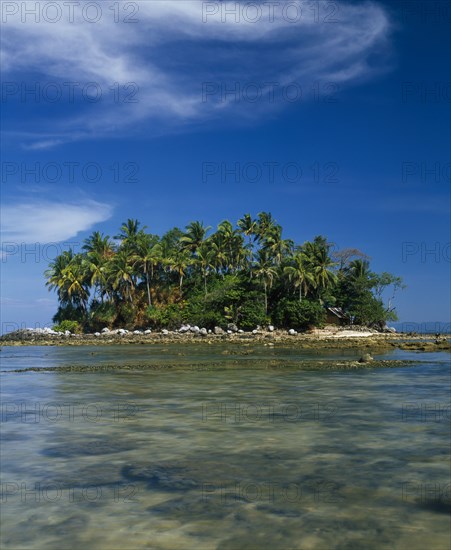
x=164 y=331
x=209 y=331
x=67 y=333
x=148 y=331
x=203 y=331
x=105 y=330
x=271 y=328
x=137 y=332
x=229 y=332
x=96 y=333
x=292 y=332
x=255 y=331
x=195 y=329
x=240 y=331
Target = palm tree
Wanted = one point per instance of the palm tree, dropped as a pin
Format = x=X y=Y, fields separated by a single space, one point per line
x=147 y=257
x=99 y=244
x=194 y=236
x=178 y=263
x=76 y=282
x=121 y=274
x=227 y=248
x=359 y=270
x=248 y=228
x=277 y=247
x=55 y=275
x=205 y=259
x=99 y=250
x=300 y=274
x=67 y=275
x=320 y=264
x=264 y=224
x=266 y=273
x=129 y=234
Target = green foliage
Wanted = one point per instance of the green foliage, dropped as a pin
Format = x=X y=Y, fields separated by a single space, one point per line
x=298 y=315
x=102 y=315
x=68 y=312
x=71 y=326
x=170 y=316
x=247 y=274
x=197 y=314
x=126 y=315
x=252 y=313
x=370 y=311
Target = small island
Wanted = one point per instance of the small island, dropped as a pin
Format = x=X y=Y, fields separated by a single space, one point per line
x=237 y=278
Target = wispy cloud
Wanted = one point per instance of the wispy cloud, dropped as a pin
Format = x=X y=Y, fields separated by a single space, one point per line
x=44 y=221
x=173 y=49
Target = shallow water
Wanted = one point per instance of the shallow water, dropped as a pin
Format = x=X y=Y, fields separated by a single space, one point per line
x=228 y=458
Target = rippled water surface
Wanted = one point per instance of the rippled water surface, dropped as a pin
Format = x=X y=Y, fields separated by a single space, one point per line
x=223 y=448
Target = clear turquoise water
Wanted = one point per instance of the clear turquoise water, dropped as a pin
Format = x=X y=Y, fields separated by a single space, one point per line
x=243 y=455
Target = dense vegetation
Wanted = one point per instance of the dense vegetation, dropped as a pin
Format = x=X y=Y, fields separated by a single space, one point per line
x=248 y=275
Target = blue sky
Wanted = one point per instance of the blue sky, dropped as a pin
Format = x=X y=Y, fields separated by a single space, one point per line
x=339 y=125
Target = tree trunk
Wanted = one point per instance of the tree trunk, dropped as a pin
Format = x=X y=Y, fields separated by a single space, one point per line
x=266 y=300
x=148 y=289
x=180 y=284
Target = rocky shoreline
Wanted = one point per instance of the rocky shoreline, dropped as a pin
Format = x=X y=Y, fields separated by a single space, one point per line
x=358 y=338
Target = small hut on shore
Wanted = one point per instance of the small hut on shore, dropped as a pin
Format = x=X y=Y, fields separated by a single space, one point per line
x=336 y=316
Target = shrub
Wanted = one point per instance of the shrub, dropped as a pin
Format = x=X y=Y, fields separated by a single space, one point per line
x=102 y=315
x=252 y=313
x=72 y=326
x=298 y=315
x=126 y=314
x=69 y=313
x=170 y=316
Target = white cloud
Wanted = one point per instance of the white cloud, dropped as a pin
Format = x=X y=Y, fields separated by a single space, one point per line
x=171 y=51
x=49 y=222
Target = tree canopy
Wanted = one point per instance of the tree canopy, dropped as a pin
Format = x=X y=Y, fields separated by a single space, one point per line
x=247 y=273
